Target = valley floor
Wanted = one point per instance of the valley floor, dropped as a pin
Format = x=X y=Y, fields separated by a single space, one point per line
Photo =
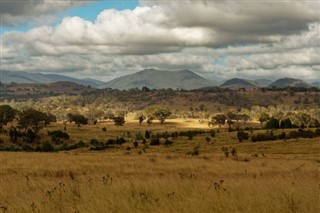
x=265 y=177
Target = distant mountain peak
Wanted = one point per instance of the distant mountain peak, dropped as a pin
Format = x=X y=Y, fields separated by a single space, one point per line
x=236 y=83
x=25 y=77
x=160 y=79
x=289 y=82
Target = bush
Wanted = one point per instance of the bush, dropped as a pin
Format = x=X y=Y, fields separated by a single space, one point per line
x=94 y=142
x=31 y=135
x=47 y=147
x=135 y=144
x=57 y=135
x=282 y=136
x=286 y=123
x=263 y=137
x=147 y=134
x=27 y=148
x=195 y=151
x=81 y=144
x=120 y=141
x=208 y=139
x=139 y=136
x=104 y=129
x=168 y=142
x=273 y=123
x=242 y=135
x=155 y=142
x=212 y=133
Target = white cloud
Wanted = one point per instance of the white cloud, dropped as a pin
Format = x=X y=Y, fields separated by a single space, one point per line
x=220 y=39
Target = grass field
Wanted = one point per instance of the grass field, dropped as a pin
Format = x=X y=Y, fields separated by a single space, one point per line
x=276 y=176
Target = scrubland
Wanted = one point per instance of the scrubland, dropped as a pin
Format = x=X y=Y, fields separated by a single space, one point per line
x=276 y=176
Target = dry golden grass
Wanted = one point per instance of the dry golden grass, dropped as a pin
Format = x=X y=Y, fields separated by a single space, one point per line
x=265 y=177
x=117 y=182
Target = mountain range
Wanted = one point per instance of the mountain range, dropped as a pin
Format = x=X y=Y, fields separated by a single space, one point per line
x=25 y=77
x=156 y=79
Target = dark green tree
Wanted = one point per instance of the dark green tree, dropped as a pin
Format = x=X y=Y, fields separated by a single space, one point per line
x=264 y=117
x=7 y=114
x=273 y=123
x=141 y=119
x=119 y=121
x=286 y=123
x=160 y=113
x=219 y=119
x=78 y=119
x=33 y=119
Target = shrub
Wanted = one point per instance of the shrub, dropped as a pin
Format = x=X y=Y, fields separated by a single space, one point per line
x=81 y=144
x=31 y=135
x=225 y=151
x=282 y=136
x=144 y=141
x=94 y=142
x=168 y=142
x=263 y=137
x=47 y=147
x=104 y=129
x=242 y=135
x=212 y=133
x=286 y=123
x=147 y=134
x=139 y=136
x=111 y=142
x=155 y=142
x=208 y=139
x=120 y=141
x=135 y=144
x=273 y=123
x=27 y=148
x=195 y=151
x=57 y=135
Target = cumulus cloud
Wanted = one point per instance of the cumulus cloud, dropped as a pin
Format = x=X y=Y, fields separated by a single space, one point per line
x=218 y=39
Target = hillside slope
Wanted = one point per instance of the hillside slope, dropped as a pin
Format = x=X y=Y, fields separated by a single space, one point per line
x=24 y=77
x=289 y=82
x=156 y=79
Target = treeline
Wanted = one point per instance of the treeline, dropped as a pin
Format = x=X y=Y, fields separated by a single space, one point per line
x=301 y=133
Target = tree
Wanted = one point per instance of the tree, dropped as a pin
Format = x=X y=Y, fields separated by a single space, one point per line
x=264 y=117
x=219 y=119
x=242 y=135
x=229 y=122
x=160 y=113
x=33 y=119
x=141 y=119
x=7 y=114
x=119 y=121
x=78 y=119
x=286 y=123
x=304 y=119
x=149 y=120
x=273 y=123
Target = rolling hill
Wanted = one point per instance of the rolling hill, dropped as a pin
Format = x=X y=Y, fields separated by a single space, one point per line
x=289 y=82
x=158 y=79
x=236 y=83
x=25 y=77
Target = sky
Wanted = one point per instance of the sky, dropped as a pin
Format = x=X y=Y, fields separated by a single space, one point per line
x=218 y=39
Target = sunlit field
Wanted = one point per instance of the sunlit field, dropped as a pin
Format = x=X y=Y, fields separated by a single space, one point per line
x=275 y=176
